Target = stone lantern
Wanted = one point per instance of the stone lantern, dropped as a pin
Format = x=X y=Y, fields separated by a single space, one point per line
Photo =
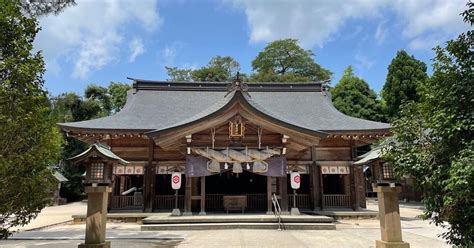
x=99 y=161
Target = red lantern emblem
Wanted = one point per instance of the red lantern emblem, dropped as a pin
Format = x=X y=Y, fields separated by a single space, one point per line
x=295 y=180
x=176 y=180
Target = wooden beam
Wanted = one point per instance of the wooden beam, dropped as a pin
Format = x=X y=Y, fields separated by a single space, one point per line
x=284 y=193
x=316 y=183
x=149 y=178
x=187 y=196
x=203 y=196
x=269 y=195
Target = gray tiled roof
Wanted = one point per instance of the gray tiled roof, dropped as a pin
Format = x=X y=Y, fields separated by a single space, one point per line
x=165 y=106
x=102 y=149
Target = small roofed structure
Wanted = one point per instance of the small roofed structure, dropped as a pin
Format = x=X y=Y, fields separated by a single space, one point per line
x=99 y=161
x=60 y=178
x=98 y=150
x=376 y=170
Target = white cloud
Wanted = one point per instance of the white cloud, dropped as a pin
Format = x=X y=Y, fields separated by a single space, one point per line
x=312 y=22
x=90 y=34
x=317 y=22
x=430 y=22
x=136 y=48
x=168 y=54
x=380 y=33
x=364 y=62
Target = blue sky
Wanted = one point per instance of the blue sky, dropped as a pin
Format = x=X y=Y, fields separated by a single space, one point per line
x=102 y=41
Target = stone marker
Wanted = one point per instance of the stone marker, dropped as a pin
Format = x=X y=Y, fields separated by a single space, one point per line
x=389 y=215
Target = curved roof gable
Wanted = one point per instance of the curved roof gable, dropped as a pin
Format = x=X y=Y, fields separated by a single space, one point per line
x=155 y=106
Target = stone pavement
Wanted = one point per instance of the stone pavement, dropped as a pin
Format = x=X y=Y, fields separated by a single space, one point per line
x=54 y=215
x=349 y=233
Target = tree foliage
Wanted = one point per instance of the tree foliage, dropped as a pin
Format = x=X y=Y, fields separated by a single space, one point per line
x=219 y=69
x=29 y=139
x=178 y=74
x=405 y=75
x=45 y=7
x=435 y=140
x=353 y=96
x=118 y=95
x=285 y=61
x=97 y=102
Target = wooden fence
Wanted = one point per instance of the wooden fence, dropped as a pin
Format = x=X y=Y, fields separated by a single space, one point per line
x=126 y=202
x=162 y=202
x=302 y=201
x=336 y=200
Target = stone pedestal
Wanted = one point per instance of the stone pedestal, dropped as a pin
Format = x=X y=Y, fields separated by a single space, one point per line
x=389 y=215
x=176 y=212
x=294 y=211
x=96 y=217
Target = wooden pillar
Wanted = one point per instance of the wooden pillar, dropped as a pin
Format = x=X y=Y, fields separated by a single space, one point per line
x=203 y=196
x=149 y=178
x=269 y=195
x=187 y=196
x=352 y=179
x=284 y=194
x=316 y=182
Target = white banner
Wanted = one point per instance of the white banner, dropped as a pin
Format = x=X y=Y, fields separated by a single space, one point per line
x=176 y=180
x=295 y=180
x=328 y=169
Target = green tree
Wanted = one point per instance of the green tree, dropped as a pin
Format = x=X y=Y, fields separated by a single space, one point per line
x=179 y=75
x=226 y=63
x=219 y=69
x=45 y=7
x=435 y=139
x=284 y=61
x=118 y=95
x=353 y=96
x=210 y=74
x=405 y=75
x=29 y=139
x=97 y=102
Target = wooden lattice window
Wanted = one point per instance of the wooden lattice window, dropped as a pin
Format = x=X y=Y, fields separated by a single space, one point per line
x=387 y=171
x=97 y=171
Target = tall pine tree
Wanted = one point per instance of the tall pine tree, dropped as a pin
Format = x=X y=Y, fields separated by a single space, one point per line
x=353 y=96
x=29 y=138
x=405 y=75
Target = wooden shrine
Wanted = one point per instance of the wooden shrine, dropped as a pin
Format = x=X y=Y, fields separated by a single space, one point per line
x=231 y=139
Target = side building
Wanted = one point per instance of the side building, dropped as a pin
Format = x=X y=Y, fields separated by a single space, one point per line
x=232 y=139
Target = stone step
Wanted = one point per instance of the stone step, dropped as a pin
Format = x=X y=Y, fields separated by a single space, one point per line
x=235 y=219
x=237 y=225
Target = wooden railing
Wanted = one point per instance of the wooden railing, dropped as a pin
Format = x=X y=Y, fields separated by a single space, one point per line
x=126 y=202
x=167 y=201
x=254 y=201
x=302 y=200
x=214 y=202
x=336 y=200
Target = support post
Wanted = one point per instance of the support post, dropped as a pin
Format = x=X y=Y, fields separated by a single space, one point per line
x=284 y=194
x=269 y=195
x=176 y=211
x=187 y=197
x=294 y=210
x=96 y=217
x=203 y=196
x=149 y=178
x=315 y=176
x=352 y=179
x=389 y=215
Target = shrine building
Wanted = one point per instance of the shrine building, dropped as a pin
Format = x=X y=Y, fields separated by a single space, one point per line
x=231 y=140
